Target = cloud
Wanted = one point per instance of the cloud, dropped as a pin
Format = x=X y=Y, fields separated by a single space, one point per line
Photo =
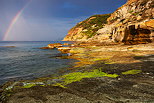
x=41 y=29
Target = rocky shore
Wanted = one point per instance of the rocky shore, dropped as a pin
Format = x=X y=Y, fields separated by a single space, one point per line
x=109 y=73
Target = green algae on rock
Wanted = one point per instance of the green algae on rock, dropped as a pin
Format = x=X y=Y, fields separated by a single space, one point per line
x=132 y=72
x=62 y=80
x=78 y=76
x=31 y=84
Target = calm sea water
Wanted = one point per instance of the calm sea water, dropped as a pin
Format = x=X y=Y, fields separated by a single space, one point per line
x=27 y=61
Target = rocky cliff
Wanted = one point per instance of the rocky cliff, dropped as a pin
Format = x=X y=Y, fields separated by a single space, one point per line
x=132 y=23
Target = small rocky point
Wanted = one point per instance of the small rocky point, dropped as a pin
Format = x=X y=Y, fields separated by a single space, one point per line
x=54 y=45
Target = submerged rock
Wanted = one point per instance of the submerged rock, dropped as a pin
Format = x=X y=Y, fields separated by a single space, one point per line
x=44 y=48
x=52 y=46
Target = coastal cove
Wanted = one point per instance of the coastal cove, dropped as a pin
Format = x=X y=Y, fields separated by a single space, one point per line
x=105 y=58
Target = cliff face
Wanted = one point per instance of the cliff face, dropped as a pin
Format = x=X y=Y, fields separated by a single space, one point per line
x=132 y=23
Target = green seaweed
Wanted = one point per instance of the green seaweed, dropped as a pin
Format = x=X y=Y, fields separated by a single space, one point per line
x=78 y=76
x=110 y=62
x=67 y=79
x=132 y=72
x=59 y=85
x=28 y=85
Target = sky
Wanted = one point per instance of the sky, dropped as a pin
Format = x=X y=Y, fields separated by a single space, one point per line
x=47 y=20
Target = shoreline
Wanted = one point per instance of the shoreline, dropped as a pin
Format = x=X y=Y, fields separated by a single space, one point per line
x=129 y=60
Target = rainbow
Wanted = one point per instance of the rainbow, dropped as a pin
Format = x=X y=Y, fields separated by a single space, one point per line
x=13 y=21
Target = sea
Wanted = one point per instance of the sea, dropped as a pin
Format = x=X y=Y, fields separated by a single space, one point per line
x=27 y=61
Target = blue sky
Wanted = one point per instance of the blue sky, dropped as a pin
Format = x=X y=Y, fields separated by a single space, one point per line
x=45 y=20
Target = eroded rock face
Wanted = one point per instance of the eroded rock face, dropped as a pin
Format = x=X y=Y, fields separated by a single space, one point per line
x=133 y=23
x=137 y=36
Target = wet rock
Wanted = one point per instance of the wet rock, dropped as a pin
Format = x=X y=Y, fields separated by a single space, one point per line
x=49 y=82
x=64 y=49
x=53 y=81
x=66 y=44
x=55 y=45
x=52 y=46
x=84 y=44
x=19 y=84
x=1 y=90
x=78 y=50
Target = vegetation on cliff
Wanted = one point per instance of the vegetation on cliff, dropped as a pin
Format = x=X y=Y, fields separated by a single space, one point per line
x=96 y=20
x=93 y=24
x=88 y=27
